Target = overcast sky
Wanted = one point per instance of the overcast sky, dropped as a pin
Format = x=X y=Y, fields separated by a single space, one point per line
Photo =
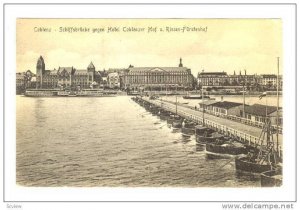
x=226 y=45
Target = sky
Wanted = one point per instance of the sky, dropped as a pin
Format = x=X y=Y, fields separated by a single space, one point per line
x=217 y=44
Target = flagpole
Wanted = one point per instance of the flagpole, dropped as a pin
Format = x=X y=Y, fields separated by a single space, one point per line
x=266 y=106
x=277 y=115
x=176 y=104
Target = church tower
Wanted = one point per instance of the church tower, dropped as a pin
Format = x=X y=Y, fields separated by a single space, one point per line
x=40 y=70
x=91 y=73
x=180 y=62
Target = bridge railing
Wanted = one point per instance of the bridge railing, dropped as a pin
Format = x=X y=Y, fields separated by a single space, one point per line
x=223 y=129
x=233 y=118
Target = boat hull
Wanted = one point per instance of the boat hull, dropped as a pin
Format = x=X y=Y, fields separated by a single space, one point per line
x=188 y=131
x=230 y=150
x=170 y=121
x=205 y=139
x=242 y=163
x=164 y=117
x=271 y=178
x=195 y=97
x=177 y=124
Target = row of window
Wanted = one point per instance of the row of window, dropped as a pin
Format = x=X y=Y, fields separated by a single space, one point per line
x=156 y=73
x=220 y=110
x=157 y=79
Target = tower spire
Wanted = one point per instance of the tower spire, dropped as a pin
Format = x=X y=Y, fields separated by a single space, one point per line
x=180 y=62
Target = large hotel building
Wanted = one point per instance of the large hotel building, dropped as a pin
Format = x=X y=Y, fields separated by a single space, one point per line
x=158 y=78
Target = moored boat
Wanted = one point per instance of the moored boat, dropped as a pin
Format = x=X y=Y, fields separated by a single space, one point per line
x=226 y=148
x=250 y=165
x=63 y=93
x=154 y=109
x=206 y=135
x=40 y=93
x=164 y=115
x=67 y=93
x=171 y=119
x=263 y=158
x=95 y=93
x=272 y=178
x=195 y=97
x=188 y=128
x=177 y=122
x=133 y=93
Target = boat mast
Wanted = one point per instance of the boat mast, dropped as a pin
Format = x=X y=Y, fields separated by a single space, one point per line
x=202 y=106
x=277 y=115
x=244 y=114
x=176 y=104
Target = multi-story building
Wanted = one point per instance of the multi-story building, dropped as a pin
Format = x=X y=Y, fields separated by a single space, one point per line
x=104 y=78
x=215 y=79
x=269 y=81
x=250 y=82
x=117 y=72
x=66 y=77
x=113 y=80
x=212 y=78
x=24 y=80
x=158 y=78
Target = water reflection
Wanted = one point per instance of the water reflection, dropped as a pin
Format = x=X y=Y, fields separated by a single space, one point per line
x=109 y=142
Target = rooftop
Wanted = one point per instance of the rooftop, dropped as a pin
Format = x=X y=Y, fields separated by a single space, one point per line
x=80 y=72
x=159 y=69
x=212 y=73
x=269 y=76
x=226 y=104
x=68 y=69
x=259 y=110
x=91 y=66
x=208 y=102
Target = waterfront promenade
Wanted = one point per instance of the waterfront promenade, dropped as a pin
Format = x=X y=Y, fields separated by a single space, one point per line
x=246 y=133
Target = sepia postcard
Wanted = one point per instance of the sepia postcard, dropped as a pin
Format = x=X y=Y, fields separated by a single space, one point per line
x=152 y=103
x=123 y=101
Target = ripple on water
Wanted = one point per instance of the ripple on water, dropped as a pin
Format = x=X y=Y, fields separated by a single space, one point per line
x=110 y=142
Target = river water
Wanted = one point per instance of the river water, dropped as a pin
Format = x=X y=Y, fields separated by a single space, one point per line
x=110 y=141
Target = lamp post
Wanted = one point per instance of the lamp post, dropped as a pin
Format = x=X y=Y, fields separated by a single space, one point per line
x=244 y=114
x=203 y=109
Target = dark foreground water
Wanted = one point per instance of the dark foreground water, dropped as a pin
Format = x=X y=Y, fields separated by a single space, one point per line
x=72 y=141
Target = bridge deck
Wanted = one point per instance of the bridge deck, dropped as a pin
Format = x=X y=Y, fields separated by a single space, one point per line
x=246 y=133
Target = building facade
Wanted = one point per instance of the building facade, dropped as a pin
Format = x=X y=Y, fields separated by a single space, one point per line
x=270 y=81
x=158 y=78
x=215 y=79
x=226 y=108
x=258 y=113
x=113 y=80
x=24 y=80
x=238 y=81
x=212 y=78
x=66 y=77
